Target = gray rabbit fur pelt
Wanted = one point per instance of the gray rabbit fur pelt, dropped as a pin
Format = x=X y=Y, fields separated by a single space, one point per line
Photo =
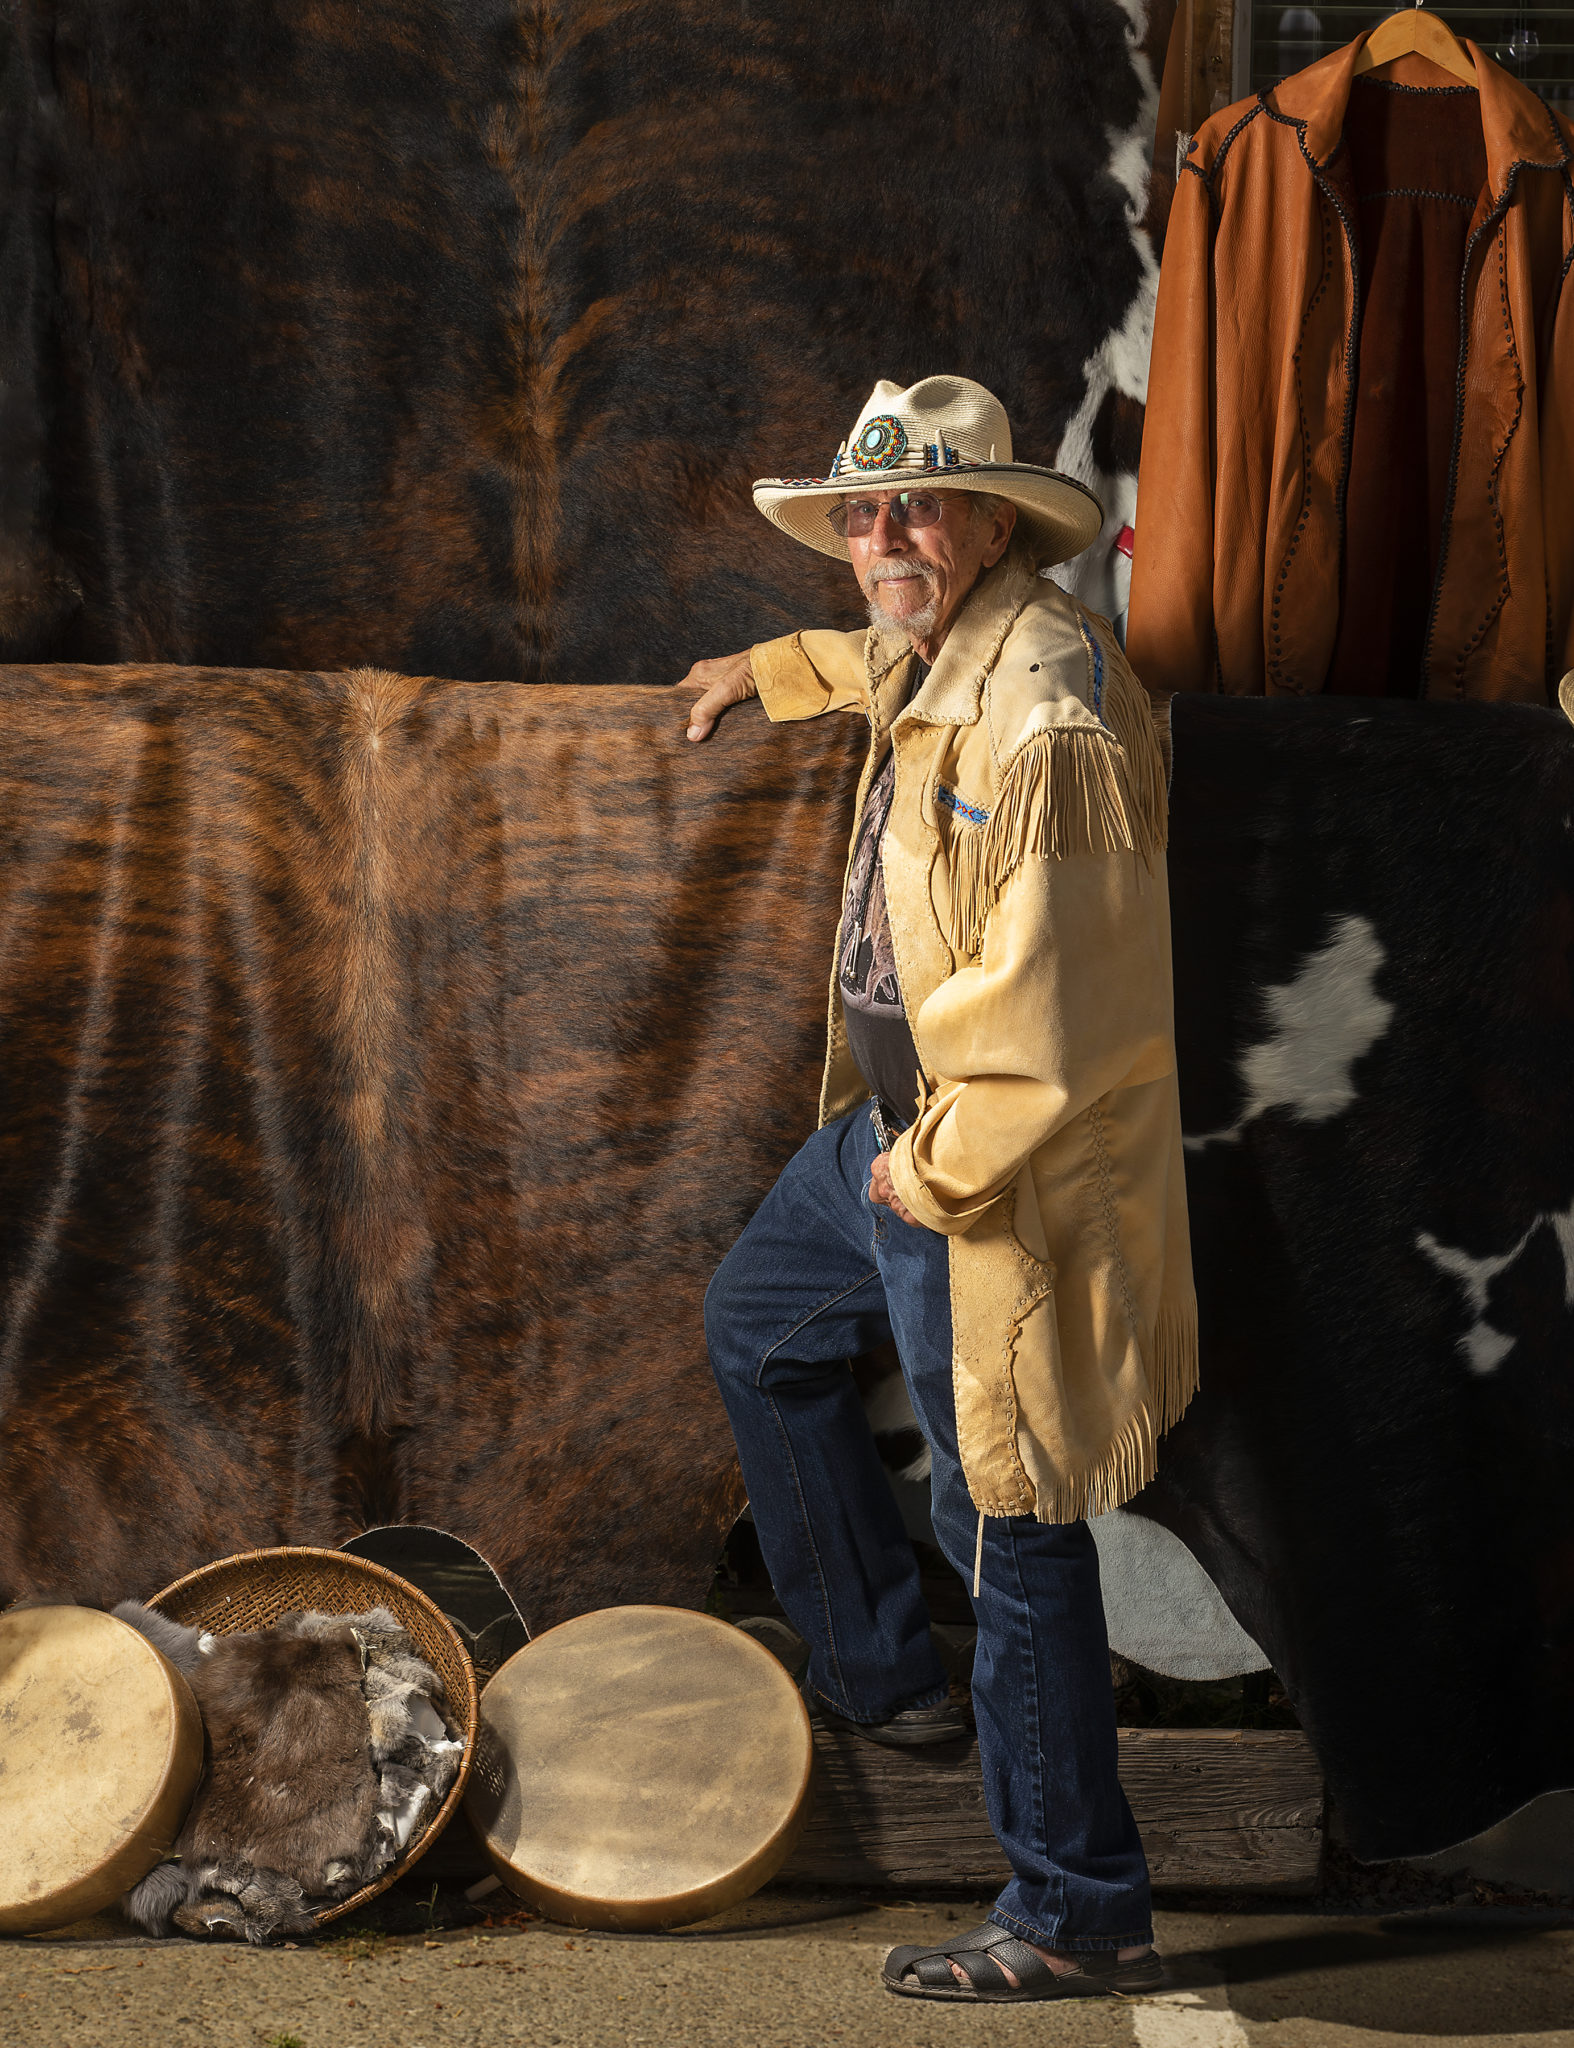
x=326 y=1751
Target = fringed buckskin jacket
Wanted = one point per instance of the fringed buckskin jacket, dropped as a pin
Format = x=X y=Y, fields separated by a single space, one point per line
x=1025 y=880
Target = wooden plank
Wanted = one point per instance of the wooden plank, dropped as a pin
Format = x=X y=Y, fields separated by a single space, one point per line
x=1240 y=1809
x=1218 y=1809
x=1205 y=30
x=1257 y=1777
x=1235 y=1859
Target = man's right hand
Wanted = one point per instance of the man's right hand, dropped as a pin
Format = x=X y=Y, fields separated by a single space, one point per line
x=716 y=686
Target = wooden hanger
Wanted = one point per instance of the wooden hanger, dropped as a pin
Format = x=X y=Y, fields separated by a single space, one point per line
x=1415 y=30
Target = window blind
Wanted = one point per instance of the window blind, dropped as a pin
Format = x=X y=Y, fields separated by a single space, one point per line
x=1534 y=41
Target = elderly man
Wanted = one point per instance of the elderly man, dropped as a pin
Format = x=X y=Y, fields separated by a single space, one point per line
x=996 y=1182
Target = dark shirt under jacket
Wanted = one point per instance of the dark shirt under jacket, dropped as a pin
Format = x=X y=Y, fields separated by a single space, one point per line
x=878 y=1035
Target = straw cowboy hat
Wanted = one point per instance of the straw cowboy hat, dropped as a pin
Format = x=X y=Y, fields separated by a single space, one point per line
x=942 y=433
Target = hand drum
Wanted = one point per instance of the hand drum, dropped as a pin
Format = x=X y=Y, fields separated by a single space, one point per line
x=640 y=1767
x=100 y=1753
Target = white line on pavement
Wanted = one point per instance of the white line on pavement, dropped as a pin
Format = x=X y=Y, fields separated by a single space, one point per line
x=1196 y=2016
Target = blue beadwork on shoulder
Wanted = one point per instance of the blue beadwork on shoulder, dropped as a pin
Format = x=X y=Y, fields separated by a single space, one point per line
x=972 y=814
x=1097 y=652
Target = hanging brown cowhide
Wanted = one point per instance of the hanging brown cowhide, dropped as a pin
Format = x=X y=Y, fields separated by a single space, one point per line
x=389 y=1064
x=448 y=334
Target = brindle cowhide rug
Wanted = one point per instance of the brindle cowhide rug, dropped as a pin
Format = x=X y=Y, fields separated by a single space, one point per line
x=388 y=1065
x=448 y=334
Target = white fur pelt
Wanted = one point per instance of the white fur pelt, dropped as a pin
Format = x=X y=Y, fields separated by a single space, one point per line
x=328 y=1752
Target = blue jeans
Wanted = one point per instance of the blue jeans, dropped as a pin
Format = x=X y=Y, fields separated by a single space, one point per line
x=819 y=1275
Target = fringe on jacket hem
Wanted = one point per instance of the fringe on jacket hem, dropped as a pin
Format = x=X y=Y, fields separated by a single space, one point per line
x=1132 y=1458
x=1068 y=790
x=1173 y=1366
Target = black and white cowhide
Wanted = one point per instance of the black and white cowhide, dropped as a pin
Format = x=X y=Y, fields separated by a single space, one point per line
x=1102 y=440
x=1374 y=946
x=1374 y=959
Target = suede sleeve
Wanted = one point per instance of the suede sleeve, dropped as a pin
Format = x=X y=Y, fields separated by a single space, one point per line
x=1169 y=627
x=804 y=674
x=1069 y=998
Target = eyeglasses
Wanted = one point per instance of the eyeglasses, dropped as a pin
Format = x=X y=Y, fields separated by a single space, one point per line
x=855 y=517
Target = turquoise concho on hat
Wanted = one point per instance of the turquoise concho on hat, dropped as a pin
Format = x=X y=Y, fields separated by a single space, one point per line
x=943 y=433
x=882 y=442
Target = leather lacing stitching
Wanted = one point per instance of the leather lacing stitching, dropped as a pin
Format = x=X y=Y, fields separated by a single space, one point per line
x=986 y=668
x=1557 y=135
x=1416 y=192
x=1351 y=369
x=1491 y=224
x=1563 y=277
x=1245 y=121
x=1420 y=92
x=1022 y=1501
x=1505 y=588
x=1106 y=1181
x=1274 y=636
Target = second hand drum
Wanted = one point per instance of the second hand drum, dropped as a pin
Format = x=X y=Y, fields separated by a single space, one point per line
x=640 y=1767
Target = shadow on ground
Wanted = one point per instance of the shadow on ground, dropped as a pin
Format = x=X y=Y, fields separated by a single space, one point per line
x=1439 y=1974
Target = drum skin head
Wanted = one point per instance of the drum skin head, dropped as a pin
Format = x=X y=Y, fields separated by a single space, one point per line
x=640 y=1767
x=100 y=1754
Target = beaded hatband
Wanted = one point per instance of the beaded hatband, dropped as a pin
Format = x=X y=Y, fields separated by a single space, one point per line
x=882 y=442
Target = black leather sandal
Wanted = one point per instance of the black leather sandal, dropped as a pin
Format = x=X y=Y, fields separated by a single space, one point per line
x=927 y=1972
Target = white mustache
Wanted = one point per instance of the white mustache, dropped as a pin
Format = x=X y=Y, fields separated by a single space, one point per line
x=896 y=569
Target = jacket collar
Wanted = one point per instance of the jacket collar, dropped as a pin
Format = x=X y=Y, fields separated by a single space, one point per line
x=1516 y=125
x=952 y=689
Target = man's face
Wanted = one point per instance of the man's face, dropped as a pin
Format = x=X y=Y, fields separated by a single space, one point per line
x=916 y=574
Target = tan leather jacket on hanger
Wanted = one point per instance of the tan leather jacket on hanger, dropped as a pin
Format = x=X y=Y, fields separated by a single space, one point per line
x=1358 y=464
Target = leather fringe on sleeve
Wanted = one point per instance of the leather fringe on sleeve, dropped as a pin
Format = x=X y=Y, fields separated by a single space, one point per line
x=1070 y=789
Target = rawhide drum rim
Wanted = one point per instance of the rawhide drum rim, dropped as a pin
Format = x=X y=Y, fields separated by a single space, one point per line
x=100 y=1756
x=253 y=1589
x=640 y=1767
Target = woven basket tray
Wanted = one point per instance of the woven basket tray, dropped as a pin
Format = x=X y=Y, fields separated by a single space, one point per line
x=255 y=1588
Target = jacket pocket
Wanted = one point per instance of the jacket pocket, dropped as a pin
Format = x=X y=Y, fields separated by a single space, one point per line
x=956 y=811
x=997 y=1287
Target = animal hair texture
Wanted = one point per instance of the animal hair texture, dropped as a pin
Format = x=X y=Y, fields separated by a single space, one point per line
x=181 y=1645
x=606 y=263
x=327 y=1753
x=499 y=1010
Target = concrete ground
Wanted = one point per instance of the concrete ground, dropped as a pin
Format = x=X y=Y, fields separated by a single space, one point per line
x=790 y=1970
